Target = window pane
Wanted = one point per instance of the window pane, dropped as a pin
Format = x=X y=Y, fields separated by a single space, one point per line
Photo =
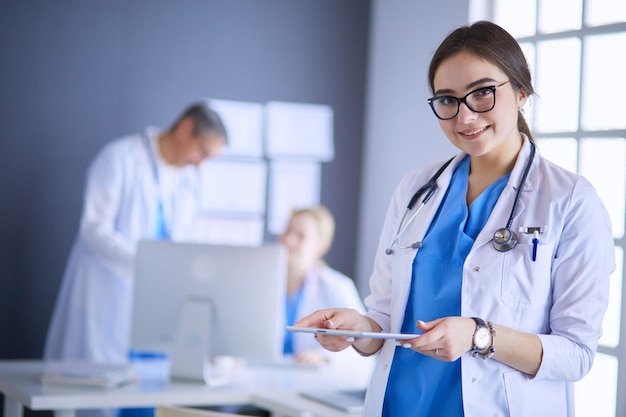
x=603 y=106
x=479 y=10
x=519 y=20
x=559 y=15
x=603 y=162
x=594 y=395
x=558 y=90
x=602 y=12
x=612 y=317
x=561 y=151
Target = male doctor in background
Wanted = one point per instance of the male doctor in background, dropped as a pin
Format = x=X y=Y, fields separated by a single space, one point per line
x=142 y=186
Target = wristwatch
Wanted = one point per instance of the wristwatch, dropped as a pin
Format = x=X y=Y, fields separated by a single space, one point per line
x=482 y=336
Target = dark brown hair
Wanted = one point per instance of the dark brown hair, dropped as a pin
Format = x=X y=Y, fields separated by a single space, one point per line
x=492 y=43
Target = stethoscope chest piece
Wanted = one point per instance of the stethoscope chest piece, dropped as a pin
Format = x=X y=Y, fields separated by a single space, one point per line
x=504 y=239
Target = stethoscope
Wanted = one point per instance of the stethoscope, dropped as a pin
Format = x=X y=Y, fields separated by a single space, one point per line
x=504 y=239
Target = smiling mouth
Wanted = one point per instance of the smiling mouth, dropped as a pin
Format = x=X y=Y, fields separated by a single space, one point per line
x=474 y=132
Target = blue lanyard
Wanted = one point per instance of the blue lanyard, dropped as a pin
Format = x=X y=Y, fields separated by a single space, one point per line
x=161 y=231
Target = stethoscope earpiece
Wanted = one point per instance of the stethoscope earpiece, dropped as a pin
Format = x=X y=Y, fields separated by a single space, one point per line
x=504 y=239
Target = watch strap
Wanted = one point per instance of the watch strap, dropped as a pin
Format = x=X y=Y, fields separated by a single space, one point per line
x=479 y=321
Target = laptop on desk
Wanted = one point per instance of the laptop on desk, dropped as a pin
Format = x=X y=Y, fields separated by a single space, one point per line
x=349 y=401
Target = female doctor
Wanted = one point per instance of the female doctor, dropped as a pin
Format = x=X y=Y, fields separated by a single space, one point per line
x=142 y=186
x=503 y=273
x=311 y=283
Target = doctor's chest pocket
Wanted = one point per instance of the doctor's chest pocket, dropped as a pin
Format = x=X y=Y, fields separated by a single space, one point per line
x=526 y=274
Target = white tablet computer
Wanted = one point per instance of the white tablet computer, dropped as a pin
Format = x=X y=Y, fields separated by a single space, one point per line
x=352 y=333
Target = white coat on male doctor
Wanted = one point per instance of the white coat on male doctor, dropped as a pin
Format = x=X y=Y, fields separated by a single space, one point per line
x=92 y=315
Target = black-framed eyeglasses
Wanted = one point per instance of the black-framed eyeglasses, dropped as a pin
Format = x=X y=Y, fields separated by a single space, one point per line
x=480 y=100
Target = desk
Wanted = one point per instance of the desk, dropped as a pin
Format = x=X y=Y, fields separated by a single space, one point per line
x=274 y=388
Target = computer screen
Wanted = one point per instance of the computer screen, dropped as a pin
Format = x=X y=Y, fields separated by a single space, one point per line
x=193 y=301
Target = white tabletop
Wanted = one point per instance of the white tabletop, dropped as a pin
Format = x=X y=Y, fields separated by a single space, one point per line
x=290 y=403
x=21 y=384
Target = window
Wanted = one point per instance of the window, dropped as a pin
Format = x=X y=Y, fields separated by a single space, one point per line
x=576 y=52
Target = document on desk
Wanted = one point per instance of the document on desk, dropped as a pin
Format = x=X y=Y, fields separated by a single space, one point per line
x=89 y=374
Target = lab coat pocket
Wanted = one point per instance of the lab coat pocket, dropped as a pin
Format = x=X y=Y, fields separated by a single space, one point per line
x=526 y=275
x=529 y=397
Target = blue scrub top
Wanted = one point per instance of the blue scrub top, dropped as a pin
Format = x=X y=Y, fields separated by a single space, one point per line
x=291 y=308
x=420 y=385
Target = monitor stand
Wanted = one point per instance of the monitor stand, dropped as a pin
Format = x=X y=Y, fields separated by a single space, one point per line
x=190 y=356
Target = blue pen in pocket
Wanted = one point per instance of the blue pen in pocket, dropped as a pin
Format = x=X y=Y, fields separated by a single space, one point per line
x=535 y=243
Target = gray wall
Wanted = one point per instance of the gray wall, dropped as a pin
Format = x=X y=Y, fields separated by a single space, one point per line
x=401 y=133
x=74 y=74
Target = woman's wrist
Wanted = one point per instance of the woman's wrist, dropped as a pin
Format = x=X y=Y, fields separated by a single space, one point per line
x=490 y=350
x=364 y=346
x=368 y=348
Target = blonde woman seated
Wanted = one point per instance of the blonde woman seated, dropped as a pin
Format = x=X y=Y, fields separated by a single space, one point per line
x=311 y=283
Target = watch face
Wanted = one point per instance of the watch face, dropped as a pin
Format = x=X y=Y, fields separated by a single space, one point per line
x=482 y=338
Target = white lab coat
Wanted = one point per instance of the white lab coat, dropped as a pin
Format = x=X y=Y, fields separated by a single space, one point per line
x=323 y=288
x=92 y=316
x=562 y=296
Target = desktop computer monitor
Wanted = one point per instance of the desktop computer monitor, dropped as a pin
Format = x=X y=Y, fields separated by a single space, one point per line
x=194 y=301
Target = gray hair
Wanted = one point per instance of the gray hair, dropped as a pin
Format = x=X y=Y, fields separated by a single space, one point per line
x=205 y=120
